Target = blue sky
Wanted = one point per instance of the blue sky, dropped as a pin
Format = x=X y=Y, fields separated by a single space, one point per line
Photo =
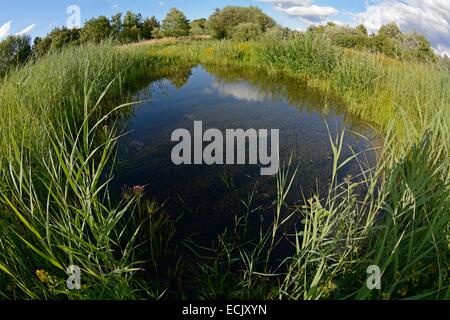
x=429 y=17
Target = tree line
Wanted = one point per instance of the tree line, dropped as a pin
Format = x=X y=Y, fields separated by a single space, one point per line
x=389 y=40
x=231 y=22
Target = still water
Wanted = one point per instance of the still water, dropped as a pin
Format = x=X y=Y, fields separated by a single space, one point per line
x=207 y=198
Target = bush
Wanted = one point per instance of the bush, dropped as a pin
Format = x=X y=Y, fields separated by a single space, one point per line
x=198 y=27
x=359 y=75
x=129 y=28
x=14 y=50
x=95 y=30
x=306 y=54
x=223 y=21
x=246 y=32
x=277 y=33
x=55 y=40
x=389 y=41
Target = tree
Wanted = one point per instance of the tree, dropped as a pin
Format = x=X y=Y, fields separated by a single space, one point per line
x=391 y=31
x=221 y=23
x=41 y=46
x=156 y=33
x=62 y=37
x=383 y=45
x=419 y=46
x=14 y=50
x=96 y=30
x=175 y=24
x=149 y=27
x=198 y=27
x=246 y=32
x=116 y=25
x=362 y=29
x=57 y=39
x=132 y=27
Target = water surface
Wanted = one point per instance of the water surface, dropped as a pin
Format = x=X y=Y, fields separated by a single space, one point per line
x=208 y=197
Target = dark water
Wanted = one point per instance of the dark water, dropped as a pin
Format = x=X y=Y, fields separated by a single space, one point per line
x=209 y=197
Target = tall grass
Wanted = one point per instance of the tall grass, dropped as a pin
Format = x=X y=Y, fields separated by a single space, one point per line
x=57 y=150
x=401 y=223
x=62 y=216
x=52 y=89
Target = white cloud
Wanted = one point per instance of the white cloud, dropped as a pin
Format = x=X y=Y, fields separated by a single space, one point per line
x=115 y=6
x=310 y=14
x=305 y=10
x=5 y=29
x=428 y=17
x=239 y=91
x=26 y=30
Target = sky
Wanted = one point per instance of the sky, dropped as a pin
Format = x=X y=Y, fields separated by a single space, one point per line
x=428 y=17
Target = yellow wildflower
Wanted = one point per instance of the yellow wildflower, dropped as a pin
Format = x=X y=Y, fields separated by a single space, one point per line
x=42 y=276
x=329 y=288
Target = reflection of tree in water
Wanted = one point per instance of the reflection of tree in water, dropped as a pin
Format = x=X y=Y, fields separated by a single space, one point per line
x=180 y=78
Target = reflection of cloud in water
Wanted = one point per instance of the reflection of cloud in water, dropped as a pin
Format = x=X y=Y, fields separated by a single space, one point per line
x=240 y=91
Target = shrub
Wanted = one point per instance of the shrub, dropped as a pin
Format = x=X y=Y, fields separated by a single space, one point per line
x=14 y=50
x=96 y=30
x=198 y=27
x=55 y=40
x=246 y=32
x=223 y=21
x=306 y=54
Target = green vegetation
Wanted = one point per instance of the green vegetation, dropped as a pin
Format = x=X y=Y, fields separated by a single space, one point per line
x=130 y=27
x=57 y=147
x=14 y=50
x=198 y=27
x=246 y=32
x=56 y=40
x=96 y=30
x=223 y=22
x=150 y=28
x=57 y=143
x=175 y=24
x=231 y=22
x=400 y=222
x=389 y=40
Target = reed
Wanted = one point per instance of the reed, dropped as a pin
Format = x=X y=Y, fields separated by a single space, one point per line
x=57 y=150
x=400 y=224
x=58 y=138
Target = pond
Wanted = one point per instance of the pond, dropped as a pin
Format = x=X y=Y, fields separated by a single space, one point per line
x=207 y=198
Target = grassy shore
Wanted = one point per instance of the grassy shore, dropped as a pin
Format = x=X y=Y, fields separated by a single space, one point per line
x=402 y=222
x=57 y=144
x=57 y=140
